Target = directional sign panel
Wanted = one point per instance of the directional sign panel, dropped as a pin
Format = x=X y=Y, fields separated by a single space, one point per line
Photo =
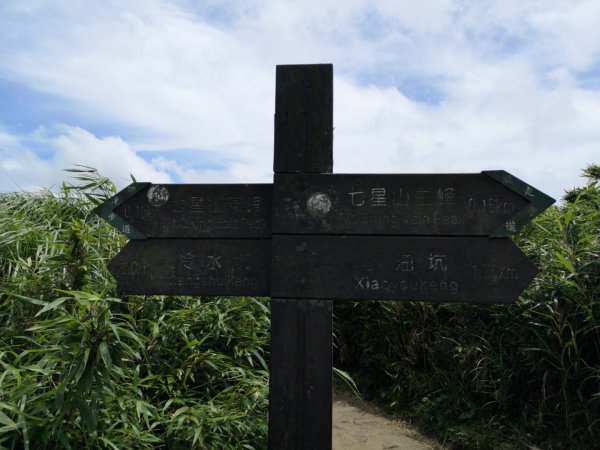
x=449 y=269
x=194 y=267
x=436 y=204
x=145 y=210
x=492 y=203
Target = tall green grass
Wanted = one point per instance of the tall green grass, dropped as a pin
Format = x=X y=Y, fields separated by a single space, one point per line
x=496 y=376
x=84 y=368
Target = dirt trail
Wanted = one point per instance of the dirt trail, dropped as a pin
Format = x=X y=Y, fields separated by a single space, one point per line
x=357 y=425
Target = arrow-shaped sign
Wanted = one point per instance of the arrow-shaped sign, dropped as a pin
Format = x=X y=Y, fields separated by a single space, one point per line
x=107 y=210
x=144 y=210
x=451 y=269
x=537 y=202
x=224 y=267
x=488 y=204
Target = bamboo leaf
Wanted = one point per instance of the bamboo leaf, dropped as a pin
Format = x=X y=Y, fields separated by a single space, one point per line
x=105 y=354
x=565 y=262
x=196 y=436
x=52 y=305
x=82 y=365
x=348 y=380
x=109 y=443
x=87 y=415
x=180 y=411
x=5 y=420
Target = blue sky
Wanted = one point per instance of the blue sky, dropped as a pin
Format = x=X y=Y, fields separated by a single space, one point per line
x=183 y=91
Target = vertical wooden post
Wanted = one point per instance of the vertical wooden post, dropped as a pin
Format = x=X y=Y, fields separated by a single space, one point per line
x=301 y=330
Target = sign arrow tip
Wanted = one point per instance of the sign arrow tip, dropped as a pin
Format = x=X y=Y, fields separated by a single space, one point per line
x=107 y=210
x=538 y=202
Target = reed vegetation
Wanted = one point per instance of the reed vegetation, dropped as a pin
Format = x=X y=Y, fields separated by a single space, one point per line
x=83 y=367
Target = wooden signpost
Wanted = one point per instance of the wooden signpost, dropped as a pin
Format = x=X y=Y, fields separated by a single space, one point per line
x=313 y=236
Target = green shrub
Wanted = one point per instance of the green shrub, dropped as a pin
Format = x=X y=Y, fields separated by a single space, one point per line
x=82 y=368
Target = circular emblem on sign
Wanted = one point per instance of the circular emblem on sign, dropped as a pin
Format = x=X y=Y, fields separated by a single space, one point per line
x=158 y=195
x=318 y=205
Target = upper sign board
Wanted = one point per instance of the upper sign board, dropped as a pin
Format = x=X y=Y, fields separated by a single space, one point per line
x=493 y=203
x=404 y=204
x=145 y=210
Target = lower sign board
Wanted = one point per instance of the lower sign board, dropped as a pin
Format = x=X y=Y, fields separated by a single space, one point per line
x=194 y=267
x=449 y=269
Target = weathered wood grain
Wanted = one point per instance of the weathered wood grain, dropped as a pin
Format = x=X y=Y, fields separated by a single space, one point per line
x=304 y=118
x=399 y=204
x=200 y=211
x=301 y=332
x=434 y=269
x=194 y=267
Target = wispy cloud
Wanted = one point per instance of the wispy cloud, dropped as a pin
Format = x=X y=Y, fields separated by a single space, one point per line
x=436 y=85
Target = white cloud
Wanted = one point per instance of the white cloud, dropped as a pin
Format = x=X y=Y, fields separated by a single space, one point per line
x=23 y=169
x=110 y=155
x=188 y=75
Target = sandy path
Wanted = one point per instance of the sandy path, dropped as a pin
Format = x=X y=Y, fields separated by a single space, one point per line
x=357 y=425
